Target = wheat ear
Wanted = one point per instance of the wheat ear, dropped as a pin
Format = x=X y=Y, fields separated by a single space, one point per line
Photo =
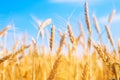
x=109 y=35
x=54 y=69
x=97 y=27
x=119 y=47
x=87 y=18
x=111 y=16
x=70 y=33
x=52 y=37
x=4 y=31
x=62 y=42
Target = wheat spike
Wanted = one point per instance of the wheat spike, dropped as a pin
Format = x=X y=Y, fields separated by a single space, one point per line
x=85 y=72
x=78 y=39
x=97 y=27
x=42 y=26
x=105 y=58
x=5 y=58
x=52 y=37
x=20 y=50
x=25 y=39
x=96 y=24
x=89 y=42
x=4 y=31
x=81 y=30
x=48 y=35
x=70 y=33
x=119 y=47
x=82 y=33
x=60 y=33
x=109 y=35
x=69 y=51
x=15 y=45
x=116 y=67
x=87 y=18
x=62 y=42
x=37 y=21
x=54 y=69
x=46 y=23
x=111 y=16
x=35 y=47
x=9 y=56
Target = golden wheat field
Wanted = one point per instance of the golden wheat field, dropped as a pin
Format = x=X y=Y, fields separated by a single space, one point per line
x=96 y=62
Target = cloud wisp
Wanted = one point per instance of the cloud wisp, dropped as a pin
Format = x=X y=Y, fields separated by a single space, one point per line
x=67 y=1
x=104 y=19
x=74 y=1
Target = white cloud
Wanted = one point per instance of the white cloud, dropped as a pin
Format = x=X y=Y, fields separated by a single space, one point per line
x=73 y=1
x=66 y=1
x=104 y=19
x=116 y=18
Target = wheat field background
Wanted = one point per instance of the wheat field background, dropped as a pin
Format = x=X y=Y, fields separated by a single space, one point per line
x=59 y=62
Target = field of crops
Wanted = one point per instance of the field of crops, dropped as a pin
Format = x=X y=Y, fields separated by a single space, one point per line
x=95 y=62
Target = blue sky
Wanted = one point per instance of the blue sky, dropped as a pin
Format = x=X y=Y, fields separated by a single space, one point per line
x=19 y=12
